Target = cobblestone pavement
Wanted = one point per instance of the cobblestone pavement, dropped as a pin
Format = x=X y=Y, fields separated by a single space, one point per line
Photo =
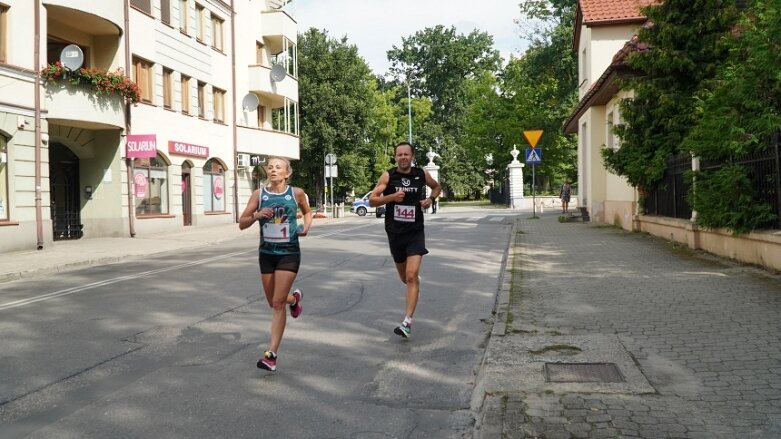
x=703 y=331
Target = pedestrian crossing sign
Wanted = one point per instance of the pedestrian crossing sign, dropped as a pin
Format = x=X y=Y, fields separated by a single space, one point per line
x=533 y=155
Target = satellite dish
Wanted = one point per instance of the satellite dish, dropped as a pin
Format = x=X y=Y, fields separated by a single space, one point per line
x=72 y=57
x=278 y=72
x=250 y=102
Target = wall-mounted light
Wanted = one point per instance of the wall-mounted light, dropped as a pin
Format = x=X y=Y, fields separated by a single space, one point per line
x=88 y=192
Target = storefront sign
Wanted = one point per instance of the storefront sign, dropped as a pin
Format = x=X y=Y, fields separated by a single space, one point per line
x=141 y=145
x=141 y=184
x=182 y=148
x=219 y=188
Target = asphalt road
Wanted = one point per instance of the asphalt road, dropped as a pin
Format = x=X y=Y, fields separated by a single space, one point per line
x=166 y=346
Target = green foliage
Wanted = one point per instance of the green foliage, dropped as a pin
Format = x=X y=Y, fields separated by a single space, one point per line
x=337 y=96
x=437 y=62
x=746 y=91
x=684 y=53
x=727 y=198
x=539 y=91
x=101 y=81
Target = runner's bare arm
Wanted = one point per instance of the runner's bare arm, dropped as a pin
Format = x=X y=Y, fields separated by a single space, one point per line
x=303 y=205
x=376 y=198
x=436 y=189
x=248 y=217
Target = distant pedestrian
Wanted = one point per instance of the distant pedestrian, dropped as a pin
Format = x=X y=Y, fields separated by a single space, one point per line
x=402 y=191
x=276 y=207
x=564 y=194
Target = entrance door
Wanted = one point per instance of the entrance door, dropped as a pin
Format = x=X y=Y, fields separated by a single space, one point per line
x=186 y=198
x=64 y=190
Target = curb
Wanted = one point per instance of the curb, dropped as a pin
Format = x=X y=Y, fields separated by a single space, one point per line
x=488 y=408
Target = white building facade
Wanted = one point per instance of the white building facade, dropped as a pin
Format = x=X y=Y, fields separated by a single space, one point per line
x=217 y=92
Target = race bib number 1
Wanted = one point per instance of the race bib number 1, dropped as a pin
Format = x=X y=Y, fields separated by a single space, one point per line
x=276 y=232
x=404 y=213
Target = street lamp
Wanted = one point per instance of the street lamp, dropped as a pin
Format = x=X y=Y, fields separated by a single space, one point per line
x=409 y=110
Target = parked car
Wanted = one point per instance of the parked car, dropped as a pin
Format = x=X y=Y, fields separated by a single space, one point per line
x=361 y=207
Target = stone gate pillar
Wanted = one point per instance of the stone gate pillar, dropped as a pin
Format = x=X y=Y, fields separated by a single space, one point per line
x=515 y=171
x=432 y=169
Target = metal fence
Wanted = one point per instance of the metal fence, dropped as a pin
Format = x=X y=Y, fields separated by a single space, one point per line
x=669 y=198
x=763 y=169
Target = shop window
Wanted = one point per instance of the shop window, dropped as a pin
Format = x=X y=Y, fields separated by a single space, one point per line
x=213 y=186
x=3 y=178
x=165 y=11
x=201 y=100
x=150 y=183
x=168 y=85
x=185 y=86
x=217 y=35
x=143 y=5
x=218 y=101
x=4 y=35
x=142 y=71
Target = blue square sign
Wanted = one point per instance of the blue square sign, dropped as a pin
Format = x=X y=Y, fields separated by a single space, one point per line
x=533 y=155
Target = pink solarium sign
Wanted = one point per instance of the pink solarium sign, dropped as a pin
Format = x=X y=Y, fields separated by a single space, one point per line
x=141 y=145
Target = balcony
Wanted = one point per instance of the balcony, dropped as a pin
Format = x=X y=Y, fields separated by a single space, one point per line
x=257 y=141
x=80 y=106
x=104 y=17
x=260 y=82
x=277 y=23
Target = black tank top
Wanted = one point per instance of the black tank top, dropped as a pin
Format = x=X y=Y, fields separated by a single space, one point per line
x=407 y=215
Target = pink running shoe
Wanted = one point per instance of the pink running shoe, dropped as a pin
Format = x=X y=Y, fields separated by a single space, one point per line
x=296 y=308
x=268 y=361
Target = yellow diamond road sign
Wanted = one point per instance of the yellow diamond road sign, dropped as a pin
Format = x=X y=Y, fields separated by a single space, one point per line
x=533 y=136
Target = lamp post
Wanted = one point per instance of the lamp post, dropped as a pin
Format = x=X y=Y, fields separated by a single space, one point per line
x=409 y=110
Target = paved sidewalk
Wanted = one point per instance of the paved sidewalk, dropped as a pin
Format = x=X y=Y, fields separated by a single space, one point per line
x=695 y=339
x=73 y=254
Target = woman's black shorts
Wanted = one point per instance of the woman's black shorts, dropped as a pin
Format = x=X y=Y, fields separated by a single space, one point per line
x=271 y=263
x=407 y=244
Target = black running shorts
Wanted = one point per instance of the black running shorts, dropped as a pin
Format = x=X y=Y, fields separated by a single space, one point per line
x=407 y=244
x=271 y=263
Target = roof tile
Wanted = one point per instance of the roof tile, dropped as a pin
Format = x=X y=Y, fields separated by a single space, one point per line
x=610 y=10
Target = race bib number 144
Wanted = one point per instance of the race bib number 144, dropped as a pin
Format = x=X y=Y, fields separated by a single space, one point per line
x=404 y=213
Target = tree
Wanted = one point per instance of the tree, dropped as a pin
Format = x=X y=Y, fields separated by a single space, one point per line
x=683 y=36
x=439 y=63
x=338 y=98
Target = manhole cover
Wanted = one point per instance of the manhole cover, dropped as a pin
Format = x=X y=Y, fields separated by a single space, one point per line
x=582 y=373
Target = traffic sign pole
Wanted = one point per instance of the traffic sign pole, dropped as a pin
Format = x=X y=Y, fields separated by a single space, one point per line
x=533 y=156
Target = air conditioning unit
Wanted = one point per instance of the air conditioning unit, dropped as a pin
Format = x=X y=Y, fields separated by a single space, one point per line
x=242 y=160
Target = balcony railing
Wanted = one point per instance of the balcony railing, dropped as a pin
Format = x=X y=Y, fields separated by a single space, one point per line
x=260 y=82
x=82 y=106
x=257 y=141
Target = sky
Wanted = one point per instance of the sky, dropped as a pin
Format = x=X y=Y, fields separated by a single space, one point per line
x=375 y=26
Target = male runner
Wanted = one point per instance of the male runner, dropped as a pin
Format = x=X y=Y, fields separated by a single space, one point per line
x=402 y=190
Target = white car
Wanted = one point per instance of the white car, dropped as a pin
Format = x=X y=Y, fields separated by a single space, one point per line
x=361 y=207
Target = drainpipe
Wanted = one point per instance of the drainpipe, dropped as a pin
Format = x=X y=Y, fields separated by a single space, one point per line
x=131 y=214
x=37 y=69
x=233 y=110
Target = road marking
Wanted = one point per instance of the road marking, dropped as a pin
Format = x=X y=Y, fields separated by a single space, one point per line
x=79 y=289
x=82 y=288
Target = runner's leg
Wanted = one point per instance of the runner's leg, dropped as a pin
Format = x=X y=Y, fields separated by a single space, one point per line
x=410 y=277
x=283 y=280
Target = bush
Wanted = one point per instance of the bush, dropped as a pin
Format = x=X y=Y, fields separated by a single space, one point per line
x=727 y=198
